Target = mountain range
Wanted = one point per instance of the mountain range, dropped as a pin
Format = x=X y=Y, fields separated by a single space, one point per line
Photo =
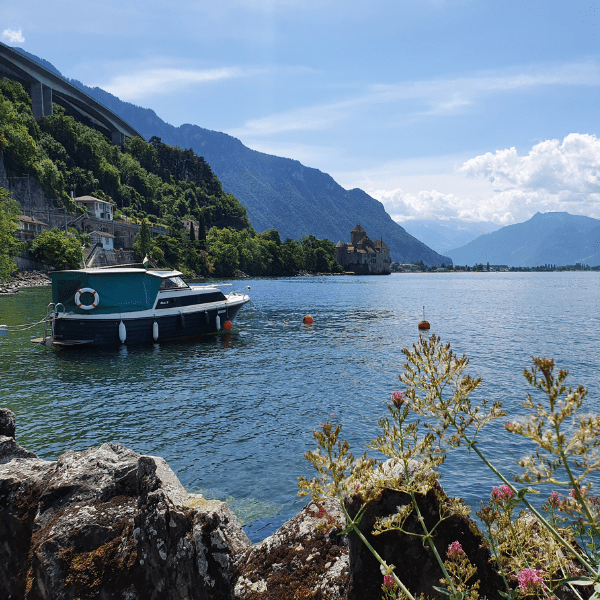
x=277 y=192
x=443 y=236
x=556 y=238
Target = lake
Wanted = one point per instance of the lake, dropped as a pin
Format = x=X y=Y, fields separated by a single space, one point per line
x=233 y=415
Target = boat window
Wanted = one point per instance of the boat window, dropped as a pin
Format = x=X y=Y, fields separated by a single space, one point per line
x=173 y=283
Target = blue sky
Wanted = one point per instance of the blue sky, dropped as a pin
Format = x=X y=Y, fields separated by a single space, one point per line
x=442 y=109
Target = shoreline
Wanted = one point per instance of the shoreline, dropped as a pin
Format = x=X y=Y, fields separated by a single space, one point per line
x=25 y=279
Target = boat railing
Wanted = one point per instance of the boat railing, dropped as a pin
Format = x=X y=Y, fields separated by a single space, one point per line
x=52 y=310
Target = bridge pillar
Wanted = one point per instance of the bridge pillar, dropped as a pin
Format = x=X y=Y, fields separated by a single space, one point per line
x=37 y=100
x=41 y=100
x=47 y=98
x=118 y=138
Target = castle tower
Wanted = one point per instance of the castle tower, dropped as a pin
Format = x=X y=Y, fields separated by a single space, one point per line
x=356 y=235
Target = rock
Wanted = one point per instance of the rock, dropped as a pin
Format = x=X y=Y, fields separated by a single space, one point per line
x=7 y=422
x=416 y=565
x=25 y=279
x=305 y=558
x=110 y=523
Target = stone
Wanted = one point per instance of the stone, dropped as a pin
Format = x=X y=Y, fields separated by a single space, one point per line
x=305 y=558
x=416 y=565
x=7 y=422
x=110 y=523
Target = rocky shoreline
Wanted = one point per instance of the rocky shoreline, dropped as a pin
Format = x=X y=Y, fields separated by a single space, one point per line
x=111 y=524
x=25 y=279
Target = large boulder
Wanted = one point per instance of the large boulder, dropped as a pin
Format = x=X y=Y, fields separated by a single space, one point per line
x=305 y=558
x=415 y=562
x=111 y=524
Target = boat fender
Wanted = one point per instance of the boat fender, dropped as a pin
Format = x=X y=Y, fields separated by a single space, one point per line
x=122 y=332
x=155 y=330
x=227 y=325
x=182 y=320
x=218 y=323
x=206 y=317
x=82 y=306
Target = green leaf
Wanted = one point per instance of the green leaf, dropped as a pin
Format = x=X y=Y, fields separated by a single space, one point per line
x=510 y=595
x=442 y=590
x=577 y=581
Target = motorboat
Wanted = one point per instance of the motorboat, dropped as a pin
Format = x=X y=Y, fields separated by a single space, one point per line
x=112 y=306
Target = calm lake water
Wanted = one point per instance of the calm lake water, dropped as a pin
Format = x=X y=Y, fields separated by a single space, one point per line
x=233 y=415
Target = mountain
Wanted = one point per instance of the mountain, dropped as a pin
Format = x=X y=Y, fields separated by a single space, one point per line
x=277 y=192
x=556 y=238
x=443 y=236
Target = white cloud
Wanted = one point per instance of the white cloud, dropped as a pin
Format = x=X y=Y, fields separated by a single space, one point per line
x=165 y=80
x=553 y=176
x=571 y=167
x=433 y=205
x=419 y=99
x=13 y=36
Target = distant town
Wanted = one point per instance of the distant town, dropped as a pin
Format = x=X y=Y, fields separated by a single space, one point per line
x=420 y=267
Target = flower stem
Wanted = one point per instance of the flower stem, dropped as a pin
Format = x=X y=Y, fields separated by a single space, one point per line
x=546 y=524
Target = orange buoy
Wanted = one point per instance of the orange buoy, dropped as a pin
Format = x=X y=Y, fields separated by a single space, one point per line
x=423 y=324
x=227 y=325
x=308 y=320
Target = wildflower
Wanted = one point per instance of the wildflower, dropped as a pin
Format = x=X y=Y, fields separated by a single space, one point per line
x=554 y=499
x=454 y=550
x=388 y=580
x=397 y=399
x=502 y=494
x=530 y=580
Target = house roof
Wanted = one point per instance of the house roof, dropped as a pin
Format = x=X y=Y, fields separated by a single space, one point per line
x=89 y=199
x=102 y=233
x=26 y=219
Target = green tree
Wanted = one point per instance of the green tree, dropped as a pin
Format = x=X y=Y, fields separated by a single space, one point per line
x=9 y=223
x=58 y=249
x=143 y=241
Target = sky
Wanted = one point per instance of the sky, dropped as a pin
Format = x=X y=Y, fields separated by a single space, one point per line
x=475 y=110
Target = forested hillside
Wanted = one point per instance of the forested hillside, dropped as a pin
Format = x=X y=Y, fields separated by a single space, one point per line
x=147 y=181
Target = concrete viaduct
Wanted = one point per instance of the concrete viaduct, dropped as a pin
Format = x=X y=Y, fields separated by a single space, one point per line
x=46 y=87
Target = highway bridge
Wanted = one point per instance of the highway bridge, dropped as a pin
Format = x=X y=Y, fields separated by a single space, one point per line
x=47 y=87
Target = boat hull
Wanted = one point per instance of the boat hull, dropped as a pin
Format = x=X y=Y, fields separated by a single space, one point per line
x=72 y=330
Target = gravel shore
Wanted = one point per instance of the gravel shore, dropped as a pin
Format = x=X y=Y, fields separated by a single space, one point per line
x=25 y=279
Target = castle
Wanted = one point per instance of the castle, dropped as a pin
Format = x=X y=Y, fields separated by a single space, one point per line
x=362 y=256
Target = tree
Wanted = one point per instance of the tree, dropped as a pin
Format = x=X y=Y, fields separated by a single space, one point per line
x=58 y=249
x=9 y=223
x=143 y=241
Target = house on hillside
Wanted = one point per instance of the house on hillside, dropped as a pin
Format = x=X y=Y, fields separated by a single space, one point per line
x=363 y=256
x=100 y=209
x=29 y=228
x=106 y=240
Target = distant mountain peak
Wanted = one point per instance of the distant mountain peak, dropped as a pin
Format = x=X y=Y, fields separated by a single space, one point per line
x=547 y=238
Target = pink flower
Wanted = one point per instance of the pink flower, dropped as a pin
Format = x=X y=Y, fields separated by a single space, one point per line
x=388 y=580
x=530 y=580
x=502 y=494
x=554 y=500
x=397 y=399
x=454 y=549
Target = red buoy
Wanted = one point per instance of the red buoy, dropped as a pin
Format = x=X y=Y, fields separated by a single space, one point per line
x=227 y=325
x=423 y=324
x=308 y=320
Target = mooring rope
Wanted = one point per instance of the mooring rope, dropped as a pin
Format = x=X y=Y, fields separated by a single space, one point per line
x=25 y=326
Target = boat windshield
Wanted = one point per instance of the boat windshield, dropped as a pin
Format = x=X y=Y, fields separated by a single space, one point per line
x=172 y=283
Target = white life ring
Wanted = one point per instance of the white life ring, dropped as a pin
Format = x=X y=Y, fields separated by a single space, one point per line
x=86 y=291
